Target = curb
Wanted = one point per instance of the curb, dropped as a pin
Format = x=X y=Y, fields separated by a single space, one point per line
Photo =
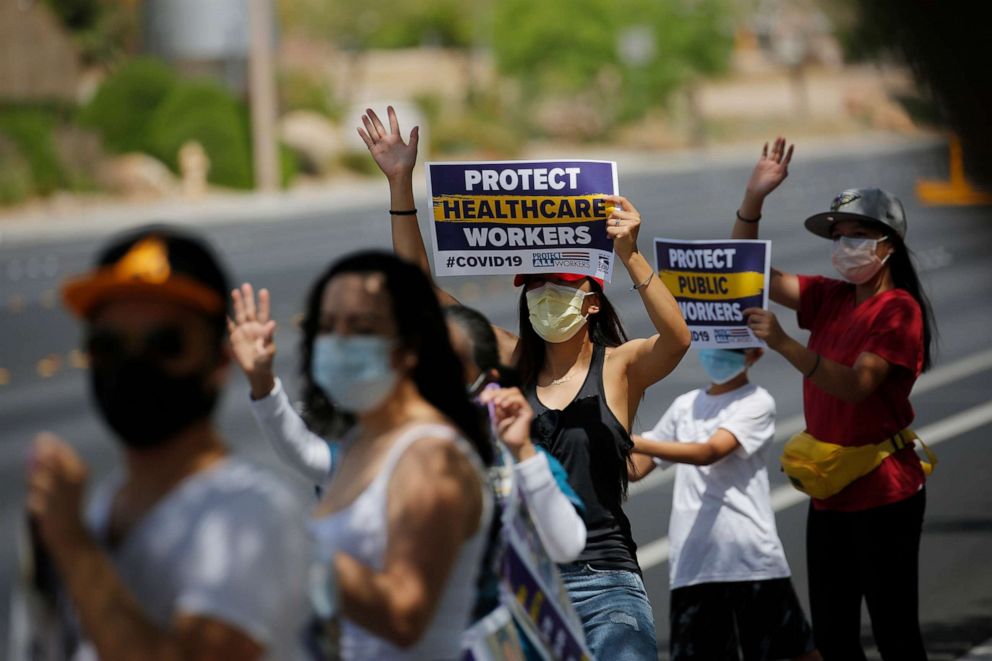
x=222 y=208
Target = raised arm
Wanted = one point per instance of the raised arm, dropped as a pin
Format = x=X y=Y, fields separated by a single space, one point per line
x=770 y=171
x=850 y=384
x=396 y=159
x=647 y=360
x=252 y=336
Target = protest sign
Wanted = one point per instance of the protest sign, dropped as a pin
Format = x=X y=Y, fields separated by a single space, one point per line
x=536 y=594
x=713 y=283
x=493 y=638
x=510 y=217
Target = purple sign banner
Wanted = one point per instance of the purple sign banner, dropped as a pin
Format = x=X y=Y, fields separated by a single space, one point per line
x=510 y=217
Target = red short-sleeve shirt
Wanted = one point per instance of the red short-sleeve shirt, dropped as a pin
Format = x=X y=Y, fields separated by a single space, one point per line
x=889 y=325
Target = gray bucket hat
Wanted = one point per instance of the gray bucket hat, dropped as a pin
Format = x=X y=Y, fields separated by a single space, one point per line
x=873 y=205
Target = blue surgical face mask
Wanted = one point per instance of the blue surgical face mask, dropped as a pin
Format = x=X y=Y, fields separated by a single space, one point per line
x=722 y=365
x=356 y=372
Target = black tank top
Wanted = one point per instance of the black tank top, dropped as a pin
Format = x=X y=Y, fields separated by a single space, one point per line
x=593 y=446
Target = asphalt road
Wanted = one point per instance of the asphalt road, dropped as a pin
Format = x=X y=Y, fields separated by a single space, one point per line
x=42 y=384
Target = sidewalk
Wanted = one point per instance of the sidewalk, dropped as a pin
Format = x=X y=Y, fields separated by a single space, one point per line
x=60 y=220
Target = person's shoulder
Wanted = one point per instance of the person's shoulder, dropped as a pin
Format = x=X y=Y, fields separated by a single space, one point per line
x=686 y=399
x=823 y=285
x=898 y=298
x=760 y=396
x=439 y=449
x=238 y=484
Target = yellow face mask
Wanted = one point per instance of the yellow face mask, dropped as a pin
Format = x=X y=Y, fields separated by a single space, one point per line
x=556 y=311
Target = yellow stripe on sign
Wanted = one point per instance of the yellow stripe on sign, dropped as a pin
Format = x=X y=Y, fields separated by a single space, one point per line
x=713 y=286
x=520 y=209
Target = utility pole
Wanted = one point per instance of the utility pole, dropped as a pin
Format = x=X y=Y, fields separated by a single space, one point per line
x=261 y=77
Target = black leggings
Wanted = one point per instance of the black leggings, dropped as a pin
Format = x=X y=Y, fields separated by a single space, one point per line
x=872 y=554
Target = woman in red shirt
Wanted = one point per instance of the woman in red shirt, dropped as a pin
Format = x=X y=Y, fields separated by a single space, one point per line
x=870 y=338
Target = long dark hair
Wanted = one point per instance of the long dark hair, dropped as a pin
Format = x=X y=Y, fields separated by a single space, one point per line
x=904 y=276
x=485 y=348
x=605 y=329
x=420 y=328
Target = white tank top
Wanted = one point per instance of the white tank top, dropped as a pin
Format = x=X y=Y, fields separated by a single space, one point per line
x=360 y=530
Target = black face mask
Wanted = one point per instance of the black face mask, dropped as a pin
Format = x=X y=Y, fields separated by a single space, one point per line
x=145 y=405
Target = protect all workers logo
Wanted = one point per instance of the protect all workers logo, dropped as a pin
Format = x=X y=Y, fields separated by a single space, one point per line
x=713 y=283
x=512 y=217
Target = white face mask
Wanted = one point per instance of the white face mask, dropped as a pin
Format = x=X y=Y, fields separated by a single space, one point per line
x=356 y=372
x=855 y=258
x=556 y=311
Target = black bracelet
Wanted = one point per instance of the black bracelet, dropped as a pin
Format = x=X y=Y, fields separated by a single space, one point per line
x=747 y=220
x=816 y=366
x=643 y=284
x=402 y=212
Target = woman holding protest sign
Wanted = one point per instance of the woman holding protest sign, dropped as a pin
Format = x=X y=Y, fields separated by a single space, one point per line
x=585 y=380
x=870 y=338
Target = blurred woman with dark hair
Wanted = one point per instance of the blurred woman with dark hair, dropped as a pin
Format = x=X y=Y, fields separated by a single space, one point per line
x=584 y=381
x=403 y=519
x=871 y=336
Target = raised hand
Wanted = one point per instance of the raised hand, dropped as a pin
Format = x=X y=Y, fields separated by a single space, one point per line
x=764 y=324
x=622 y=226
x=252 y=333
x=771 y=169
x=513 y=416
x=393 y=156
x=56 y=482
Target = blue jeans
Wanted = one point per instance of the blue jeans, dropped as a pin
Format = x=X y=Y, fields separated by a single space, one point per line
x=615 y=612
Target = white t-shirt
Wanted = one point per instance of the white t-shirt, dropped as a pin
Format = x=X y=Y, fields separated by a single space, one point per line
x=227 y=543
x=722 y=526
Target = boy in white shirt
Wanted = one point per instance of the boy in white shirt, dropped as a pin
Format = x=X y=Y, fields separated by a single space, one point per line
x=731 y=595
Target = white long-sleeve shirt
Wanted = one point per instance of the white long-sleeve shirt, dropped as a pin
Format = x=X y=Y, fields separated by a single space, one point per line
x=558 y=524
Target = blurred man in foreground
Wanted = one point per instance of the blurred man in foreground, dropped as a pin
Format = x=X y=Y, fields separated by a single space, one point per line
x=186 y=553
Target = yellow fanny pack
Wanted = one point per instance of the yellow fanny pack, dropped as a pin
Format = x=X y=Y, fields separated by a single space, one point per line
x=822 y=469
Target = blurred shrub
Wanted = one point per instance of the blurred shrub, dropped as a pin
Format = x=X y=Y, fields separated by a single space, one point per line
x=300 y=90
x=359 y=24
x=289 y=165
x=123 y=107
x=619 y=58
x=15 y=173
x=485 y=125
x=359 y=162
x=206 y=112
x=30 y=131
x=103 y=29
x=80 y=153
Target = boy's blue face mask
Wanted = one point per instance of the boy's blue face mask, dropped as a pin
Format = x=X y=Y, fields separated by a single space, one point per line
x=722 y=365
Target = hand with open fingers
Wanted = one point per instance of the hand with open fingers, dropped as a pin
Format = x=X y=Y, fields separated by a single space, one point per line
x=622 y=226
x=764 y=324
x=56 y=484
x=252 y=333
x=393 y=156
x=771 y=169
x=513 y=417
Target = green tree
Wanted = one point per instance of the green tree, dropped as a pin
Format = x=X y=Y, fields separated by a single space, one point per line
x=359 y=24
x=626 y=56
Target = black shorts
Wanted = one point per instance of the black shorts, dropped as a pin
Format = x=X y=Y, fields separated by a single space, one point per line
x=749 y=620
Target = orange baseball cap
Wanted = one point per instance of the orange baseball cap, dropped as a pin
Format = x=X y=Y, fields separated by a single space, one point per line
x=157 y=262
